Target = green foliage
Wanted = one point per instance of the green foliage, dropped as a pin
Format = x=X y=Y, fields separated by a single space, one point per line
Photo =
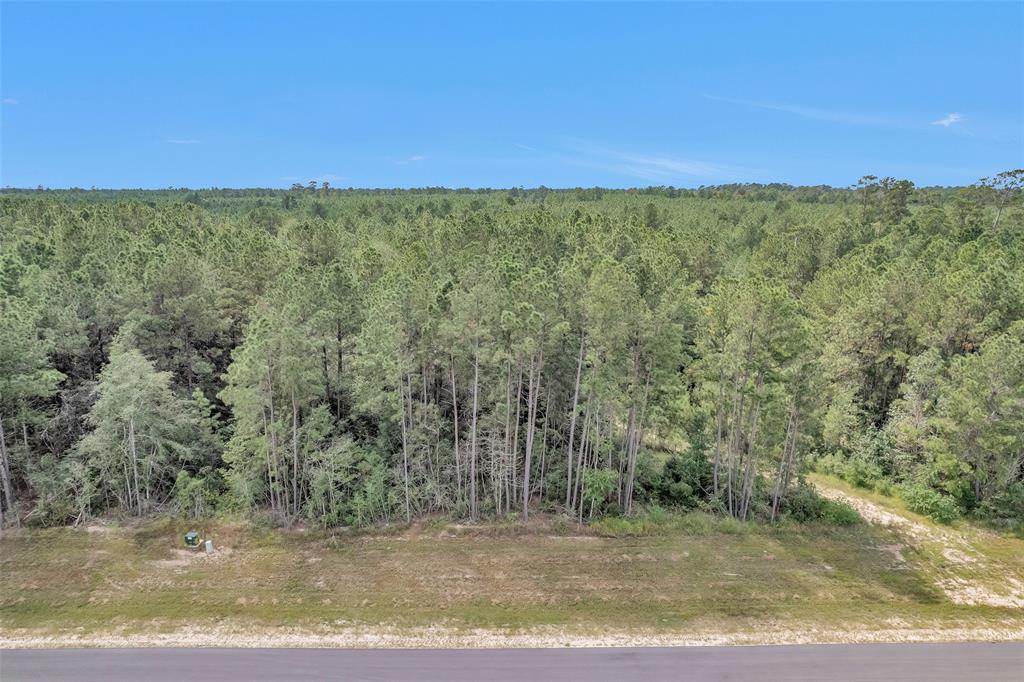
x=925 y=500
x=598 y=485
x=1007 y=507
x=197 y=496
x=839 y=513
x=861 y=471
x=803 y=503
x=685 y=480
x=142 y=432
x=353 y=357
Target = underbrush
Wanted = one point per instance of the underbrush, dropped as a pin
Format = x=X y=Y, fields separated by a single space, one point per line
x=655 y=520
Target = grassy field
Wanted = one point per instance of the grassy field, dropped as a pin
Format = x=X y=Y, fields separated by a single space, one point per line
x=691 y=575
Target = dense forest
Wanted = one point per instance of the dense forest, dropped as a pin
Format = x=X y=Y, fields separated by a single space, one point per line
x=356 y=357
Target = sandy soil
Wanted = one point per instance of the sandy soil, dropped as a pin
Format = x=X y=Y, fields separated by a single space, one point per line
x=219 y=635
x=955 y=547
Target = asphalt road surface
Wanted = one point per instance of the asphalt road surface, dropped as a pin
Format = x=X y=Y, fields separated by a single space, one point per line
x=962 y=662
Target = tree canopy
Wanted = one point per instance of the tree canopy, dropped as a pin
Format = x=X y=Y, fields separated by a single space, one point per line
x=353 y=357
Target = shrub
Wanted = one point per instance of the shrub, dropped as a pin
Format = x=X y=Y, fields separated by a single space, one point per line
x=838 y=513
x=861 y=472
x=831 y=464
x=802 y=503
x=931 y=503
x=1007 y=507
x=598 y=485
x=196 y=496
x=684 y=479
x=623 y=526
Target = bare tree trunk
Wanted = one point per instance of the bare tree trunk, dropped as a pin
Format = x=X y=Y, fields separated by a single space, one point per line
x=579 y=456
x=635 y=448
x=513 y=460
x=295 y=455
x=531 y=417
x=735 y=444
x=455 y=417
x=327 y=375
x=135 y=463
x=572 y=426
x=719 y=416
x=544 y=443
x=781 y=480
x=624 y=490
x=474 y=511
x=270 y=465
x=273 y=442
x=748 y=476
x=405 y=454
x=5 y=474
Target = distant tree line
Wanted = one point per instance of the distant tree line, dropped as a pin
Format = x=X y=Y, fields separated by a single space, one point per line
x=354 y=357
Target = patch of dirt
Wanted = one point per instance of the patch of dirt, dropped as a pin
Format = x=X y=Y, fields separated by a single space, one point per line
x=958 y=557
x=955 y=549
x=895 y=550
x=576 y=538
x=963 y=591
x=186 y=557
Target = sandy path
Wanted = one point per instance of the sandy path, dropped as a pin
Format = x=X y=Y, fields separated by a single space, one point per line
x=962 y=559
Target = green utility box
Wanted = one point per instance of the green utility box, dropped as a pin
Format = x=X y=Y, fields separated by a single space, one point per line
x=192 y=539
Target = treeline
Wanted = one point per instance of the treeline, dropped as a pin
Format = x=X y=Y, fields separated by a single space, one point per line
x=353 y=357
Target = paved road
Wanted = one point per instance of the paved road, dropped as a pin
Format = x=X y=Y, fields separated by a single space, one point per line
x=974 y=662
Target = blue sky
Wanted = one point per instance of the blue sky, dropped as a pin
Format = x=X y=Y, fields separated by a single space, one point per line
x=499 y=95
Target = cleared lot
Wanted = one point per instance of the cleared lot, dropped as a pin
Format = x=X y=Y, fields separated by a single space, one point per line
x=690 y=580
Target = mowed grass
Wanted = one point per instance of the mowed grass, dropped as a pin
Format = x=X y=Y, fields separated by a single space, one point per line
x=696 y=572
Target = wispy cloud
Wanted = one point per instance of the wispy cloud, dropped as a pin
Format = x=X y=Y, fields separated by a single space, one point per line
x=415 y=158
x=852 y=118
x=182 y=141
x=652 y=167
x=10 y=101
x=949 y=120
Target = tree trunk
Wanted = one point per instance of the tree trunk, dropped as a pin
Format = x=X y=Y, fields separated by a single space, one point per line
x=135 y=463
x=748 y=476
x=273 y=440
x=295 y=456
x=572 y=426
x=455 y=418
x=405 y=455
x=783 y=464
x=544 y=443
x=577 y=484
x=5 y=474
x=513 y=460
x=270 y=465
x=473 y=507
x=531 y=417
x=627 y=455
x=634 y=450
x=719 y=416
